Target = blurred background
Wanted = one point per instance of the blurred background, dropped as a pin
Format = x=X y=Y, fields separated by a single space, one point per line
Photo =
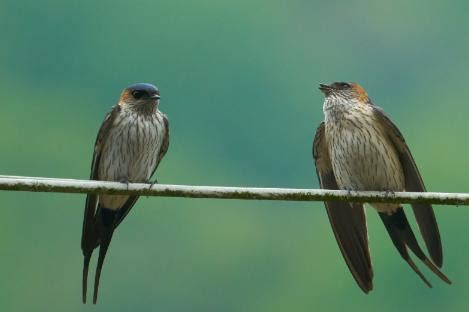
x=239 y=85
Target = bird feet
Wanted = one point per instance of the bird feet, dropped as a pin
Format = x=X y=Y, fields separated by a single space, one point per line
x=153 y=183
x=126 y=182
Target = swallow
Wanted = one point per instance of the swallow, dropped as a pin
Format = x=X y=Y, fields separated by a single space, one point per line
x=357 y=147
x=132 y=141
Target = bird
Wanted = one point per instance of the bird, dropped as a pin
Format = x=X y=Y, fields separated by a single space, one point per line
x=131 y=142
x=358 y=148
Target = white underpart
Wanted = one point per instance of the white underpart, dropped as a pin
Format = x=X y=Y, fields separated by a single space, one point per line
x=362 y=156
x=130 y=152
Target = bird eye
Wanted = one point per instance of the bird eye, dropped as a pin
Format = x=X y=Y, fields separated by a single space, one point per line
x=344 y=85
x=137 y=94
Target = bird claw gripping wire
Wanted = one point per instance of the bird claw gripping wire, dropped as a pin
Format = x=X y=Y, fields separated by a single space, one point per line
x=153 y=183
x=126 y=182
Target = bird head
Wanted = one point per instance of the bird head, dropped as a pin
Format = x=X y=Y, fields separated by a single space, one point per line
x=140 y=96
x=348 y=91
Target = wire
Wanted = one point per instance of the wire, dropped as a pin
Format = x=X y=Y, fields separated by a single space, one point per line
x=55 y=185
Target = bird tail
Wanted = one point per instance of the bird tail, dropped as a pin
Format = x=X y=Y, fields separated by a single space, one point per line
x=106 y=218
x=86 y=264
x=89 y=242
x=402 y=236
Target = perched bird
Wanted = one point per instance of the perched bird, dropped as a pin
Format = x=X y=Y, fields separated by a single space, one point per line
x=131 y=142
x=359 y=148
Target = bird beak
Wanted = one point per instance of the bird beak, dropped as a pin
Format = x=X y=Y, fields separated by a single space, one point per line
x=326 y=89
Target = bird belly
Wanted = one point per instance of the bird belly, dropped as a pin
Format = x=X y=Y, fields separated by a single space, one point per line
x=363 y=159
x=130 y=154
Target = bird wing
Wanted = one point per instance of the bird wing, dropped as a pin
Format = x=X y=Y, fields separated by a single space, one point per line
x=413 y=183
x=348 y=220
x=89 y=235
x=165 y=144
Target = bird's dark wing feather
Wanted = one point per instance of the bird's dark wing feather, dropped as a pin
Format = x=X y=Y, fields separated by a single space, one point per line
x=165 y=143
x=413 y=183
x=347 y=220
x=88 y=240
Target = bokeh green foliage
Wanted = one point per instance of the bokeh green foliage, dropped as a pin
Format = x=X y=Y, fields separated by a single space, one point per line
x=239 y=83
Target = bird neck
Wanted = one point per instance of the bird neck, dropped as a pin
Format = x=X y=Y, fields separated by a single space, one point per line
x=336 y=108
x=145 y=109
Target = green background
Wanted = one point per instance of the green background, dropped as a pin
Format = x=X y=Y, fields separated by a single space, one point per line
x=239 y=83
